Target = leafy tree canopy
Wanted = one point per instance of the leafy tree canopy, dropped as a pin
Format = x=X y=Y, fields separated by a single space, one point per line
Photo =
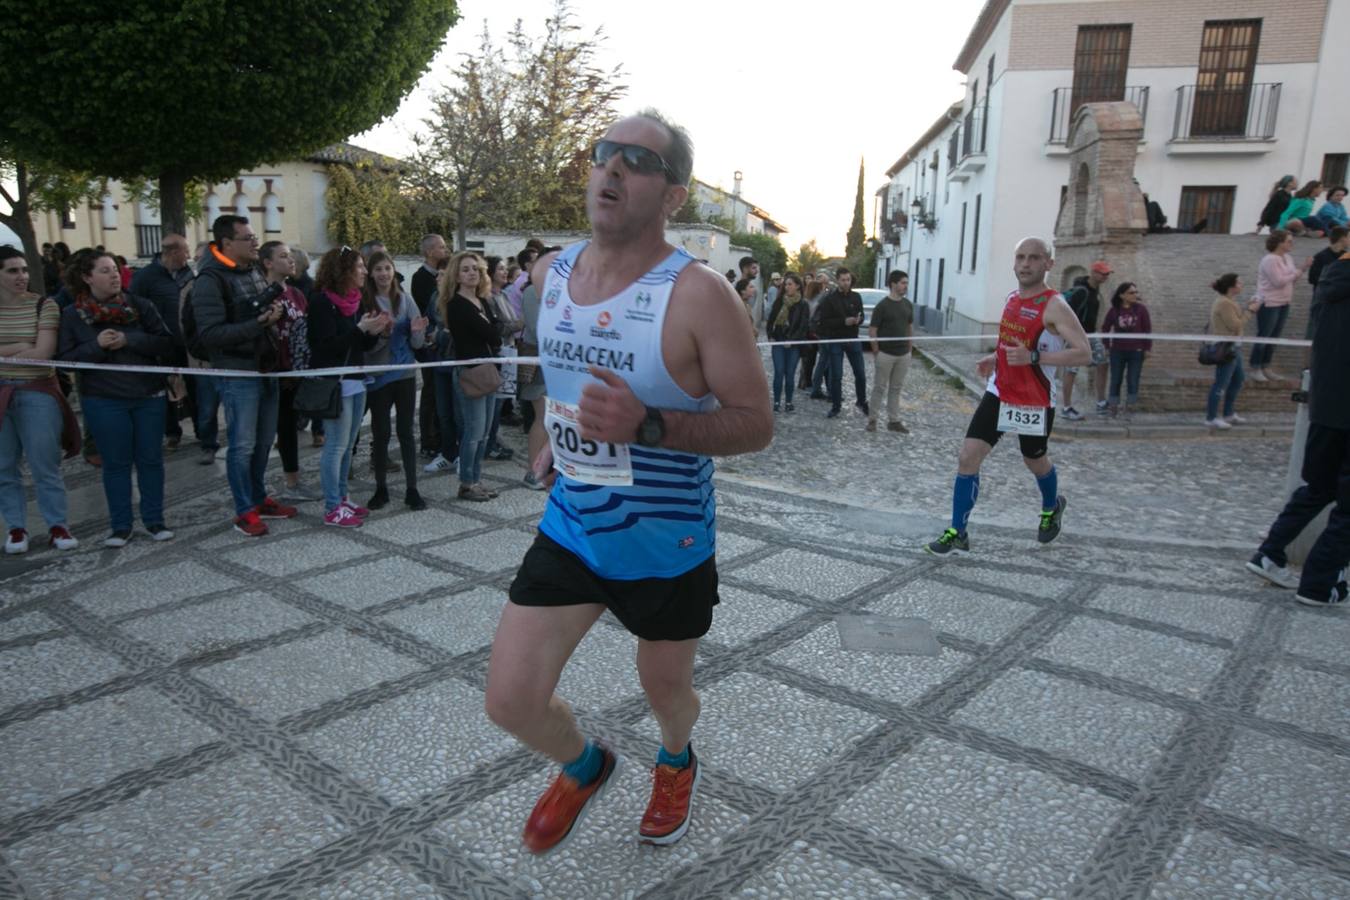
x=364 y=202
x=190 y=89
x=765 y=248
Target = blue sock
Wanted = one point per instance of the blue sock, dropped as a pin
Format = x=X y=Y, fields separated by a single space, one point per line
x=964 y=494
x=586 y=767
x=676 y=760
x=1049 y=485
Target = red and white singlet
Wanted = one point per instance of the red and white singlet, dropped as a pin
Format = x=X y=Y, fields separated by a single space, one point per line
x=1024 y=323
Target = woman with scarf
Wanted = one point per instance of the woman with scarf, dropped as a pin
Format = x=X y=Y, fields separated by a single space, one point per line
x=339 y=336
x=124 y=411
x=396 y=388
x=35 y=420
x=788 y=321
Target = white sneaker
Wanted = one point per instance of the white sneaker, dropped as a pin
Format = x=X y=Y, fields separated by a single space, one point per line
x=1218 y=424
x=1234 y=419
x=439 y=464
x=1280 y=576
x=1257 y=375
x=17 y=542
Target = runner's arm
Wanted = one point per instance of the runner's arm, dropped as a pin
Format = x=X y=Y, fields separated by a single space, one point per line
x=732 y=370
x=1060 y=319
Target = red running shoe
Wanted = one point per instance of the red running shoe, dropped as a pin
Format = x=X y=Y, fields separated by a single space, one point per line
x=562 y=806
x=271 y=509
x=361 y=511
x=250 y=524
x=667 y=816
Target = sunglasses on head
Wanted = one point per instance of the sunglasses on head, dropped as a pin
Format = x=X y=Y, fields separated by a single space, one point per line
x=637 y=159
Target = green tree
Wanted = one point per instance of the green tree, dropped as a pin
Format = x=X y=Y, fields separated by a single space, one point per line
x=27 y=191
x=181 y=91
x=853 y=241
x=507 y=144
x=689 y=214
x=362 y=201
x=765 y=248
x=808 y=258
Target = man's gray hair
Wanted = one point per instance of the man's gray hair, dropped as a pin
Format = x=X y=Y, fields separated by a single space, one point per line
x=679 y=155
x=301 y=260
x=1046 y=245
x=368 y=248
x=425 y=244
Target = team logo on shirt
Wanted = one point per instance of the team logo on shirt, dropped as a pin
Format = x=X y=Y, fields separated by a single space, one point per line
x=604 y=319
x=686 y=542
x=1027 y=312
x=565 y=322
x=601 y=327
x=640 y=311
x=551 y=299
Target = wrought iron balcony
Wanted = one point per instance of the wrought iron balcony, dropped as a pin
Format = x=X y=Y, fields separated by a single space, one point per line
x=1062 y=109
x=1245 y=113
x=973 y=133
x=953 y=150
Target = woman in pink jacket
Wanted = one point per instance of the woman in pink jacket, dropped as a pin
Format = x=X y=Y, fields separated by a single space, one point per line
x=1275 y=278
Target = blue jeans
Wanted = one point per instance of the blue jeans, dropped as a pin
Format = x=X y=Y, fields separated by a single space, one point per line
x=1269 y=323
x=785 y=371
x=1228 y=380
x=854 y=354
x=473 y=416
x=127 y=431
x=250 y=427
x=336 y=459
x=833 y=356
x=446 y=418
x=821 y=374
x=1127 y=364
x=31 y=429
x=206 y=423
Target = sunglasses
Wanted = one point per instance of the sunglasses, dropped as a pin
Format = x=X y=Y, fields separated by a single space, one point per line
x=638 y=159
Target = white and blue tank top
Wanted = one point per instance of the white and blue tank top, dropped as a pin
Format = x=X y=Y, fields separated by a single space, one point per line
x=662 y=523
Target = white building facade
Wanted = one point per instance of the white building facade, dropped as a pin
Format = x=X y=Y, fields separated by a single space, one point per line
x=1234 y=94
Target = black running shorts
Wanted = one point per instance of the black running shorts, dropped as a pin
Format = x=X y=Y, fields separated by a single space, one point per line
x=984 y=427
x=654 y=609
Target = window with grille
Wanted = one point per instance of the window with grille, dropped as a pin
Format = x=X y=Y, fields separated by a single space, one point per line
x=1211 y=205
x=1100 y=62
x=1223 y=84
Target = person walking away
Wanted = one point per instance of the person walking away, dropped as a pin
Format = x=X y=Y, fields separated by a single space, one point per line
x=892 y=318
x=1227 y=318
x=1127 y=316
x=124 y=411
x=1326 y=461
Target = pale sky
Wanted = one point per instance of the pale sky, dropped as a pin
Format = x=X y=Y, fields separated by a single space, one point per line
x=791 y=100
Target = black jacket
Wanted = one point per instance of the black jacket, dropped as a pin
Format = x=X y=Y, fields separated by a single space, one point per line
x=1324 y=258
x=474 y=336
x=162 y=288
x=799 y=319
x=1274 y=208
x=148 y=344
x=224 y=304
x=334 y=339
x=835 y=308
x=423 y=288
x=1331 y=336
x=1085 y=301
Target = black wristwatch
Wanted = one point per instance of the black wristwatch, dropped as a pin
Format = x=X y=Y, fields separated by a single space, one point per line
x=1035 y=357
x=652 y=430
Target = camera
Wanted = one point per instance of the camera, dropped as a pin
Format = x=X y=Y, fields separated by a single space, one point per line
x=259 y=304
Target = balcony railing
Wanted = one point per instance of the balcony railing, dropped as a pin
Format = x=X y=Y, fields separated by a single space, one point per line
x=1062 y=109
x=147 y=240
x=953 y=150
x=973 y=133
x=1245 y=113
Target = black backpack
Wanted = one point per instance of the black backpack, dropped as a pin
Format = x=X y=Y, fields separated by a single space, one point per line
x=187 y=319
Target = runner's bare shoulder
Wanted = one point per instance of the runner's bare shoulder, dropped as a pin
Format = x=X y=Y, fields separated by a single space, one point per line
x=704 y=294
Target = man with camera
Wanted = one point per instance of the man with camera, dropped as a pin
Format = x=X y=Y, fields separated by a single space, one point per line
x=235 y=311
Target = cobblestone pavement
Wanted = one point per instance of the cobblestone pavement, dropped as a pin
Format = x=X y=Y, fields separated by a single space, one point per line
x=1122 y=713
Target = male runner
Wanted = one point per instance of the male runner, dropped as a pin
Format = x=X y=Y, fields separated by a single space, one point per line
x=651 y=368
x=1038 y=333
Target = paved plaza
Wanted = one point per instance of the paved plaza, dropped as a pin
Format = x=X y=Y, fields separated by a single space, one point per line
x=1123 y=713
